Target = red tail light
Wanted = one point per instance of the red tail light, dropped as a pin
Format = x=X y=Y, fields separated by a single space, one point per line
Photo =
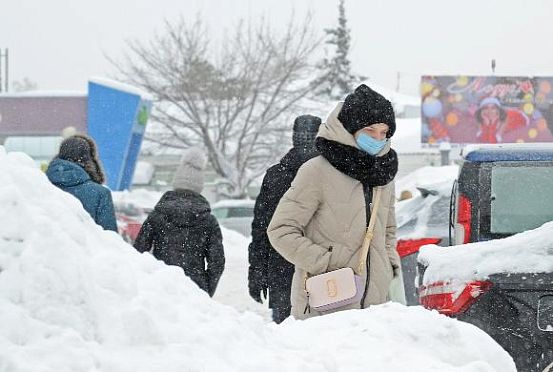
x=405 y=247
x=464 y=211
x=452 y=299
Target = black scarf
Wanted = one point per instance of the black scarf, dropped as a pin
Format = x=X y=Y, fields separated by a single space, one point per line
x=369 y=170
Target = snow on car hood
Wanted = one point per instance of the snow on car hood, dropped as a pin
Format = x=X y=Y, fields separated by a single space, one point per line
x=74 y=297
x=526 y=252
x=434 y=178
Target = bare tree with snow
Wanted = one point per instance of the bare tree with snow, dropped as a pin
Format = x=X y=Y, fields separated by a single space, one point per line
x=235 y=98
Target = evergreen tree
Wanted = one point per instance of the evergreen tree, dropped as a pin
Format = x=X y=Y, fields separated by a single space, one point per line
x=338 y=78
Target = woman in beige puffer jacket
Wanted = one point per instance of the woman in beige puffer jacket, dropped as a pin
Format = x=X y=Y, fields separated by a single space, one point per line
x=321 y=221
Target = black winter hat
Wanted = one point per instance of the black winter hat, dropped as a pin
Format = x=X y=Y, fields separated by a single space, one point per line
x=305 y=131
x=364 y=107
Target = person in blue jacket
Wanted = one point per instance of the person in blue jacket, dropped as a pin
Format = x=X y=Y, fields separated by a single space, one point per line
x=76 y=169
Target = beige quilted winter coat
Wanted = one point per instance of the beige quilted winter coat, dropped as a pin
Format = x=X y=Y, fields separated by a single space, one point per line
x=320 y=223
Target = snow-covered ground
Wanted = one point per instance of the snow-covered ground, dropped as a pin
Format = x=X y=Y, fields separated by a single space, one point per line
x=527 y=252
x=76 y=298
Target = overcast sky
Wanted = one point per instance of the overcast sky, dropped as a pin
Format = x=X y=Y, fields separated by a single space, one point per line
x=59 y=44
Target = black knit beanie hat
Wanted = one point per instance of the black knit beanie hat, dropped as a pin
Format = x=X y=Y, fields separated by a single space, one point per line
x=305 y=131
x=364 y=107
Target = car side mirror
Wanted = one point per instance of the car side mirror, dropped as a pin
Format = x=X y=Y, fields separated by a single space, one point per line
x=425 y=192
x=545 y=314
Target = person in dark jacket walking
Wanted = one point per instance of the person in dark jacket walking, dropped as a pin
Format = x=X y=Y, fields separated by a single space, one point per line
x=76 y=169
x=181 y=229
x=268 y=269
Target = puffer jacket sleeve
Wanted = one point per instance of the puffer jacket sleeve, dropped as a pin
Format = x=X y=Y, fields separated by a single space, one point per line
x=293 y=213
x=258 y=250
x=105 y=212
x=146 y=235
x=391 y=235
x=215 y=256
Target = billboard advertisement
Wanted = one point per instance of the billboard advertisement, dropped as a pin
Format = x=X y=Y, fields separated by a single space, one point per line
x=486 y=109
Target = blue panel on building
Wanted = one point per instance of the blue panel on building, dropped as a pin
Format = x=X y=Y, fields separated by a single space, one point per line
x=116 y=121
x=135 y=143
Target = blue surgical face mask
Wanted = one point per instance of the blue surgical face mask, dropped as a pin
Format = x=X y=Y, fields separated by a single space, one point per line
x=370 y=145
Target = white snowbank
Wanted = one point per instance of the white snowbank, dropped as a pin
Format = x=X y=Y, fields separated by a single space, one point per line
x=233 y=286
x=527 y=252
x=76 y=298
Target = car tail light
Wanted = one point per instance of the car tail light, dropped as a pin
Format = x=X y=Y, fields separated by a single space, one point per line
x=462 y=227
x=451 y=299
x=405 y=247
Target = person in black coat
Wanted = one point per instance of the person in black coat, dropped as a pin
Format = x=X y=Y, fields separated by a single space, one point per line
x=269 y=270
x=181 y=229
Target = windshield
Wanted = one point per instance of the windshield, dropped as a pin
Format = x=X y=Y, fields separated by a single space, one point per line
x=521 y=198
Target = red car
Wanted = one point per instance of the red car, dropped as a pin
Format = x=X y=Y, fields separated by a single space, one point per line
x=129 y=221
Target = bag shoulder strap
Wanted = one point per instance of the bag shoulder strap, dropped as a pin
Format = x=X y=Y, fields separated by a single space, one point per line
x=370 y=232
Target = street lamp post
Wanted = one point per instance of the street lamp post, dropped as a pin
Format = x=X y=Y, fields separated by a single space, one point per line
x=5 y=71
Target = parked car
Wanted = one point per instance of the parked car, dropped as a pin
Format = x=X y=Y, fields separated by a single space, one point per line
x=422 y=216
x=515 y=309
x=129 y=220
x=501 y=190
x=235 y=215
x=421 y=220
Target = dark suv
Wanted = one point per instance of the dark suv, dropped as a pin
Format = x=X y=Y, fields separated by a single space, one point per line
x=502 y=190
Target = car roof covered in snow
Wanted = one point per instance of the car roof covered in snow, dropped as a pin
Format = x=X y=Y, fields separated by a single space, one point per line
x=508 y=152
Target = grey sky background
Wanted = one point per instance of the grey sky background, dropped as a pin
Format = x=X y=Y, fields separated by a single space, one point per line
x=59 y=44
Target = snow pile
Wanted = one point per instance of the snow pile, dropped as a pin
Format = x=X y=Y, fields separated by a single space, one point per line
x=76 y=298
x=526 y=252
x=233 y=286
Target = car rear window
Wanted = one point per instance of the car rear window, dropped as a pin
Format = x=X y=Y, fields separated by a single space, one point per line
x=521 y=198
